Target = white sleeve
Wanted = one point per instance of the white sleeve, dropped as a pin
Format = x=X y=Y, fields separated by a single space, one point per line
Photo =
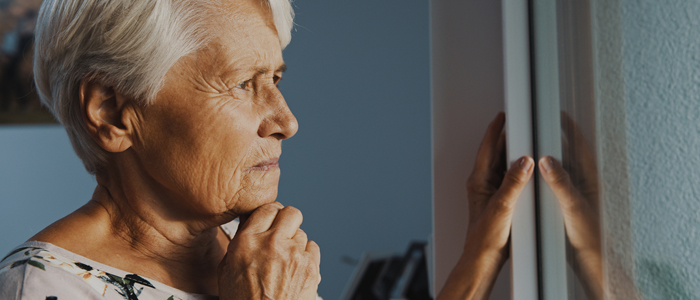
x=230 y=228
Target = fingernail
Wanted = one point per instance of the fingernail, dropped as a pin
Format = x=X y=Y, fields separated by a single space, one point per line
x=525 y=164
x=547 y=164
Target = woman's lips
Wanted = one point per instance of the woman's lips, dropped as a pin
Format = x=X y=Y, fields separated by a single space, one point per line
x=266 y=165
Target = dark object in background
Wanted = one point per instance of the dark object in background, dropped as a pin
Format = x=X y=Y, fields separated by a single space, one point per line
x=16 y=44
x=391 y=277
x=19 y=102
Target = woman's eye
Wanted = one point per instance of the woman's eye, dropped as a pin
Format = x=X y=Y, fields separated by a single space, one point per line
x=277 y=79
x=244 y=85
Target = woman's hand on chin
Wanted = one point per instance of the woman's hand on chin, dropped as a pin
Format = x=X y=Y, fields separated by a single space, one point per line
x=270 y=258
x=492 y=195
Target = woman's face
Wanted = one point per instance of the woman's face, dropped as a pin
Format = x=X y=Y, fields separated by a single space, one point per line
x=212 y=138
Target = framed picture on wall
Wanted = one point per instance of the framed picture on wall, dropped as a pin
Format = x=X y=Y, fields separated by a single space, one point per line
x=19 y=102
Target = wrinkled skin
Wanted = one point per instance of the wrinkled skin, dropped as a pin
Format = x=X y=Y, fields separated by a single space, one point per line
x=204 y=153
x=271 y=258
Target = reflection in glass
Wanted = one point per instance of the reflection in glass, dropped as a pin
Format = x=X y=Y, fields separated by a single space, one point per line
x=616 y=92
x=617 y=102
x=568 y=190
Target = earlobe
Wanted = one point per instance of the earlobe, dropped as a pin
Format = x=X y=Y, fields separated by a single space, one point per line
x=103 y=113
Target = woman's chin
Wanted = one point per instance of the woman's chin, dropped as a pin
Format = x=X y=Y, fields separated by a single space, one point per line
x=250 y=202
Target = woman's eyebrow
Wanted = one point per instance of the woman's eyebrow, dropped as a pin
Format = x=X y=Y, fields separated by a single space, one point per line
x=282 y=68
x=263 y=70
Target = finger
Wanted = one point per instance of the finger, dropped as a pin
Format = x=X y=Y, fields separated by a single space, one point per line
x=301 y=238
x=499 y=159
x=261 y=219
x=580 y=161
x=584 y=159
x=513 y=183
x=488 y=150
x=481 y=187
x=287 y=222
x=580 y=219
x=315 y=251
x=559 y=181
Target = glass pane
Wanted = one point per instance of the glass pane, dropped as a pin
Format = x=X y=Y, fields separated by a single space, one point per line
x=616 y=92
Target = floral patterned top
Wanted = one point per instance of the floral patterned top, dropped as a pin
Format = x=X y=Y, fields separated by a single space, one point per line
x=38 y=271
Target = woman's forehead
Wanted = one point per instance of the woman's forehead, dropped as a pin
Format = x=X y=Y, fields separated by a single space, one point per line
x=241 y=12
x=244 y=38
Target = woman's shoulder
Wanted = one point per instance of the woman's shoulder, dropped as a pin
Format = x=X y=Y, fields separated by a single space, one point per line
x=32 y=272
x=37 y=270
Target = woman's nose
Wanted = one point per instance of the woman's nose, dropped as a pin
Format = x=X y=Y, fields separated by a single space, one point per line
x=279 y=122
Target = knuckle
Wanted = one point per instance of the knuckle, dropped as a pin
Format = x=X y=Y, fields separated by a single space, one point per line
x=267 y=209
x=297 y=257
x=479 y=187
x=277 y=236
x=293 y=211
x=302 y=234
x=502 y=206
x=515 y=177
x=560 y=179
x=313 y=248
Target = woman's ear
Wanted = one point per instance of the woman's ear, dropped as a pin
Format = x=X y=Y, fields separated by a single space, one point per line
x=104 y=114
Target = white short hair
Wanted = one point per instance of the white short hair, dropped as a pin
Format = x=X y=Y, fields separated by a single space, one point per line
x=129 y=44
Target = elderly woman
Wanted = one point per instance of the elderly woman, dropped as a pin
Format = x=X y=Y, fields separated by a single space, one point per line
x=174 y=107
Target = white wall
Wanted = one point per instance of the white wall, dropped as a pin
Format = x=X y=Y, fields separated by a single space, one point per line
x=467 y=93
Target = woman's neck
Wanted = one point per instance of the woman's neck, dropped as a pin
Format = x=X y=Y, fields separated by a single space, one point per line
x=128 y=227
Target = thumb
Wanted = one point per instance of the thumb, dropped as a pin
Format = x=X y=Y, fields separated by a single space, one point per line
x=559 y=181
x=513 y=183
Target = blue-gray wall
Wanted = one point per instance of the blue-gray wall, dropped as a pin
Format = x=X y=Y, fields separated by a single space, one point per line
x=661 y=48
x=359 y=167
x=41 y=180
